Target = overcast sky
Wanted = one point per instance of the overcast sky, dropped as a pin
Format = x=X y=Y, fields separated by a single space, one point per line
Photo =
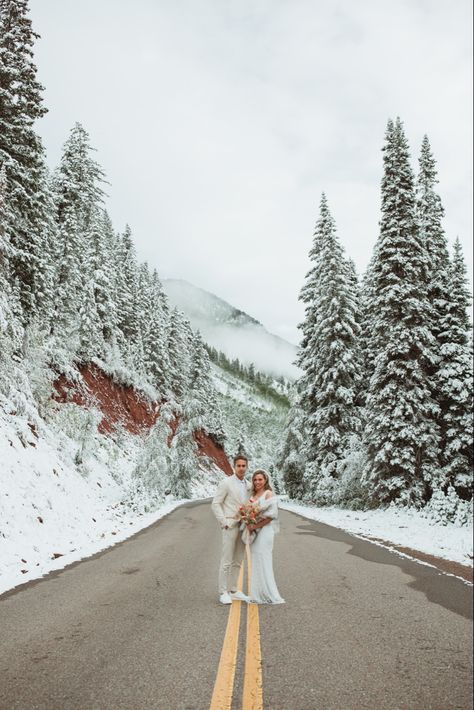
x=220 y=123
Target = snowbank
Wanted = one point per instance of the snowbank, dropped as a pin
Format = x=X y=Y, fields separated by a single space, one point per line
x=54 y=511
x=398 y=526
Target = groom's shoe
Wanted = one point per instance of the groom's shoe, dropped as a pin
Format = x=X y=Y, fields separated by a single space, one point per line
x=238 y=596
x=225 y=598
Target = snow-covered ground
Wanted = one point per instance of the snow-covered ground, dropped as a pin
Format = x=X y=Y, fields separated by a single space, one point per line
x=395 y=525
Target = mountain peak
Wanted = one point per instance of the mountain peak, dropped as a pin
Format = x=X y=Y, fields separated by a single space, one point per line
x=198 y=303
x=231 y=330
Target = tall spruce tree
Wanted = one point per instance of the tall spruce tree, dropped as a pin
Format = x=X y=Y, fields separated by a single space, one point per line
x=401 y=433
x=29 y=219
x=309 y=295
x=178 y=346
x=78 y=195
x=5 y=247
x=455 y=384
x=451 y=378
x=430 y=214
x=291 y=456
x=102 y=245
x=201 y=402
x=127 y=288
x=328 y=355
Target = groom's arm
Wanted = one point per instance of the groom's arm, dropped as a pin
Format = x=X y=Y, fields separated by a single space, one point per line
x=217 y=502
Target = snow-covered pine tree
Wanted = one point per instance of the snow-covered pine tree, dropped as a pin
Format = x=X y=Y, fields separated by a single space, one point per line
x=401 y=433
x=452 y=375
x=28 y=220
x=329 y=357
x=78 y=180
x=151 y=477
x=355 y=289
x=90 y=341
x=430 y=213
x=184 y=461
x=460 y=295
x=291 y=455
x=78 y=196
x=454 y=384
x=367 y=316
x=201 y=401
x=155 y=339
x=11 y=331
x=178 y=344
x=126 y=288
x=102 y=240
x=309 y=295
x=5 y=253
x=69 y=281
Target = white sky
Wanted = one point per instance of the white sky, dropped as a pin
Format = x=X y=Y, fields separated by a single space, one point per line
x=219 y=123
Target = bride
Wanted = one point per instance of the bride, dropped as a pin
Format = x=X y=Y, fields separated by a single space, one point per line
x=263 y=589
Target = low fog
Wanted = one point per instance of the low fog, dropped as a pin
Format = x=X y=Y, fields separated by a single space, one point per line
x=235 y=333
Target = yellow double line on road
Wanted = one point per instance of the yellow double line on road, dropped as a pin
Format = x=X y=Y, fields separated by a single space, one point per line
x=252 y=697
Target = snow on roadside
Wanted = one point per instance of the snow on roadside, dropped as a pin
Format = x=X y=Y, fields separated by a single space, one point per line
x=398 y=526
x=51 y=514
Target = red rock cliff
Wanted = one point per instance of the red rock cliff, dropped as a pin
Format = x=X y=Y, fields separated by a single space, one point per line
x=123 y=405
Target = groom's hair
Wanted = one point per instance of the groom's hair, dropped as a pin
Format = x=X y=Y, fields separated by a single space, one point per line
x=240 y=457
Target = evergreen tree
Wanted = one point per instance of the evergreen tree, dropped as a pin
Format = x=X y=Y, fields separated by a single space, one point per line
x=430 y=213
x=367 y=317
x=452 y=374
x=155 y=341
x=291 y=456
x=78 y=198
x=151 y=475
x=127 y=288
x=201 y=402
x=5 y=252
x=401 y=432
x=69 y=278
x=454 y=383
x=11 y=331
x=102 y=240
x=329 y=356
x=89 y=334
x=309 y=295
x=78 y=180
x=184 y=462
x=28 y=220
x=178 y=353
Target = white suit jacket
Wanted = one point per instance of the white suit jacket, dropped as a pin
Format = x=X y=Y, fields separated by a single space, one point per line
x=227 y=500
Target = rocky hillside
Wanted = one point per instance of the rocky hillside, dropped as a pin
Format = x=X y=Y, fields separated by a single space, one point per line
x=121 y=407
x=80 y=476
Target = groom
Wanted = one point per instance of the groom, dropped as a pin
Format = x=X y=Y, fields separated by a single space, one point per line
x=231 y=493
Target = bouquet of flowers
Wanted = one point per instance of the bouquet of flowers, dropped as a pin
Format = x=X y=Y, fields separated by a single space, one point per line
x=249 y=515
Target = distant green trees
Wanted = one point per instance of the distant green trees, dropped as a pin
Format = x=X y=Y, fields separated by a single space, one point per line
x=263 y=383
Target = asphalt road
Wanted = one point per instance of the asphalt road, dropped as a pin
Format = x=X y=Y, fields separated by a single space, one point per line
x=139 y=626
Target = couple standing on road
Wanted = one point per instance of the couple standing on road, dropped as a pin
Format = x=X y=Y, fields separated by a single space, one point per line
x=231 y=493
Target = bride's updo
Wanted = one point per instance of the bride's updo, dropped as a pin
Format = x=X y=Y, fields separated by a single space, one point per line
x=261 y=472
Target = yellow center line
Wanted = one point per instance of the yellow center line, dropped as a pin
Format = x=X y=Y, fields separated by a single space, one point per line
x=252 y=698
x=224 y=685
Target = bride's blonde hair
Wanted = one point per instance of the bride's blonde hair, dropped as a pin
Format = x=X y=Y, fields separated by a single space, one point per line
x=267 y=486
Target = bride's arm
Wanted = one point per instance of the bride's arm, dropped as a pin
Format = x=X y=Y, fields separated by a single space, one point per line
x=260 y=524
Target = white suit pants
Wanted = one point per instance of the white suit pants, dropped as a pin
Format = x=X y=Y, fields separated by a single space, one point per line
x=232 y=555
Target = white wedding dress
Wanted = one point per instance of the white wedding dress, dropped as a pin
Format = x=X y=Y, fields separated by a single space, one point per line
x=263 y=588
